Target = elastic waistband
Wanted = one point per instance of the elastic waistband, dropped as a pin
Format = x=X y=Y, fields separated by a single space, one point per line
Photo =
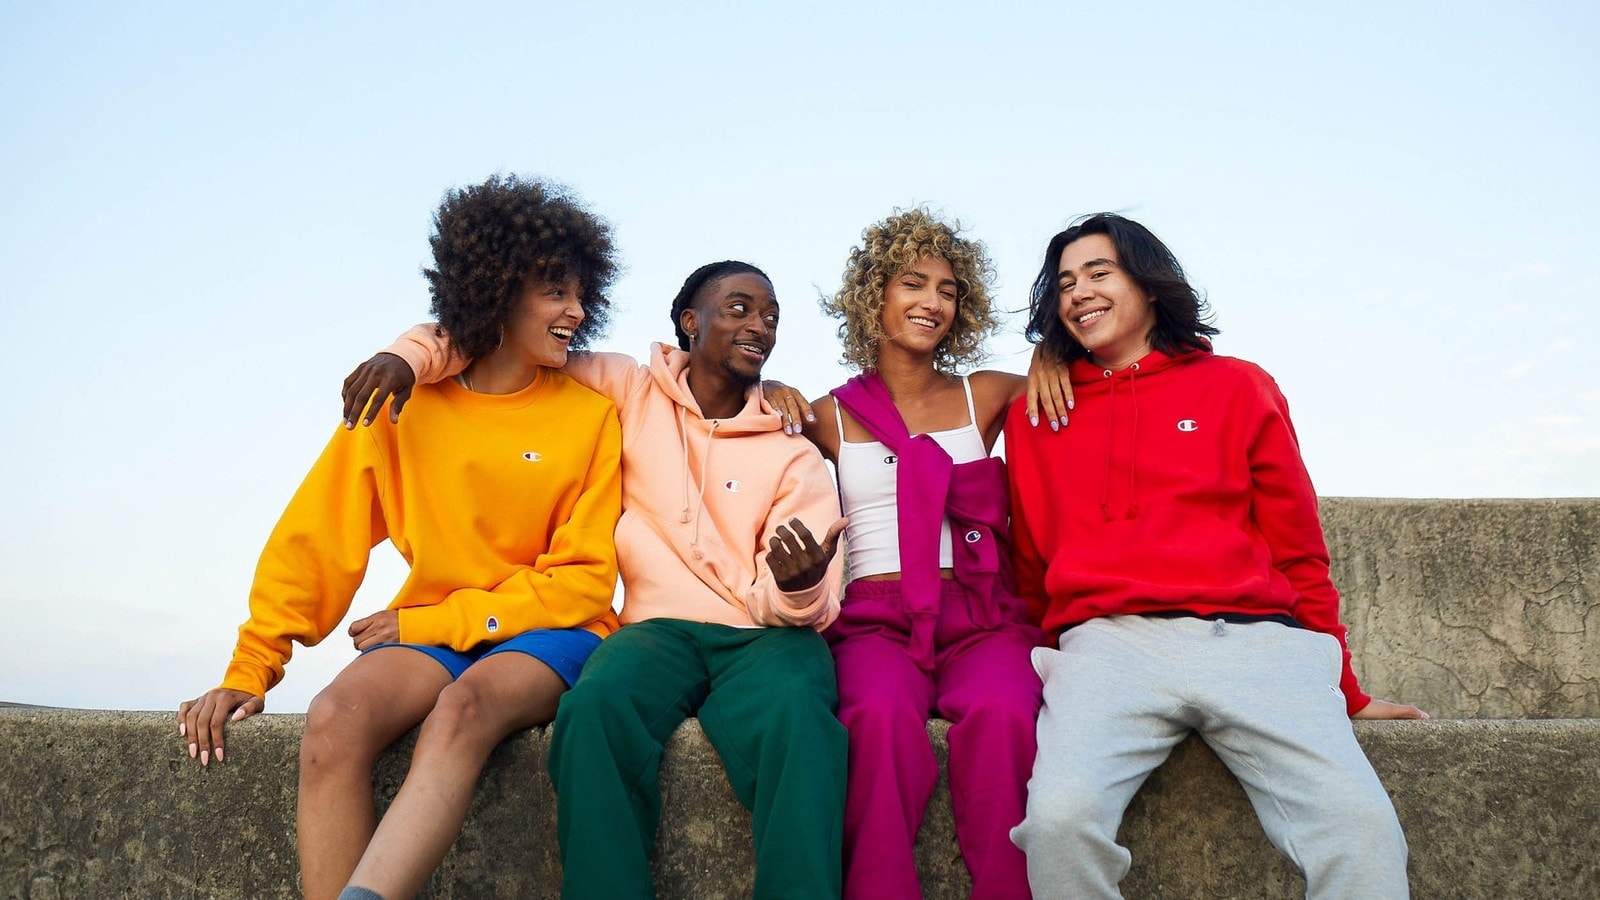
x=881 y=590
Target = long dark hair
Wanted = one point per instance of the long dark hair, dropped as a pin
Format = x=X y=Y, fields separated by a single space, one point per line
x=1182 y=315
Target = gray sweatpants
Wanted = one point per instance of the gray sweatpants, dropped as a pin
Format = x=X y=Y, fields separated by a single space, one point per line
x=1124 y=690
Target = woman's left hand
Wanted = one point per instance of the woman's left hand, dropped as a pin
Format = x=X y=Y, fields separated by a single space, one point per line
x=378 y=628
x=790 y=405
x=1049 y=389
x=796 y=559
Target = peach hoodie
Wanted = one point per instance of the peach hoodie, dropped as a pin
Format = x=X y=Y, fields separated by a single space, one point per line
x=701 y=498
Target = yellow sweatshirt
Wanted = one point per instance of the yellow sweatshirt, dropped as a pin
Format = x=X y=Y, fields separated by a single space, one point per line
x=702 y=498
x=503 y=505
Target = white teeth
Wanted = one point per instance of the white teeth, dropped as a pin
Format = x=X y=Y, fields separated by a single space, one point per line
x=563 y=333
x=753 y=348
x=919 y=320
x=1089 y=316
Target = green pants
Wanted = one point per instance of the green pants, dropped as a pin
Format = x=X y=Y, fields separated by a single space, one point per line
x=766 y=699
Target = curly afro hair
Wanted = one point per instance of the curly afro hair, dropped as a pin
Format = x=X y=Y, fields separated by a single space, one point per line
x=889 y=248
x=489 y=239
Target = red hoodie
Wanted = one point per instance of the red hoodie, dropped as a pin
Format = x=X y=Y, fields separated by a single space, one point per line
x=1178 y=485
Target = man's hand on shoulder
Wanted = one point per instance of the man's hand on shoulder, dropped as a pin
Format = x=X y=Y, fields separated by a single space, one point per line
x=373 y=382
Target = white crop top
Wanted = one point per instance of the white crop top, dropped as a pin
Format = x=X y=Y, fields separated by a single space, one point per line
x=868 y=475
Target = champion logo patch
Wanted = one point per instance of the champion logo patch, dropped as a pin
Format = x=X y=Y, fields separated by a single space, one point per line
x=974 y=536
x=492 y=624
x=732 y=486
x=890 y=460
x=531 y=456
x=1188 y=425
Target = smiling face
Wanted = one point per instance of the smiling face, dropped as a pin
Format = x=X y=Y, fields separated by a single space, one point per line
x=919 y=305
x=733 y=326
x=542 y=325
x=1101 y=305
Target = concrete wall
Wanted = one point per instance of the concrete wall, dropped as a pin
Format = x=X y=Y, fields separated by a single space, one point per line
x=1470 y=608
x=101 y=804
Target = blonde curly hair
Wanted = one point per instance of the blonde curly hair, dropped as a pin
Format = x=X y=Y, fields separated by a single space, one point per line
x=887 y=249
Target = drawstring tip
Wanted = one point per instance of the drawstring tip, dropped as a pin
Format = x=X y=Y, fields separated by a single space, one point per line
x=683 y=517
x=1217 y=627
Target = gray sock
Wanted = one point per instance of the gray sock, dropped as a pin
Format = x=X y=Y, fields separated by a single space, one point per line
x=359 y=893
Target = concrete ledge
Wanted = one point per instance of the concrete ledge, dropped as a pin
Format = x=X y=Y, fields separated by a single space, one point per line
x=105 y=804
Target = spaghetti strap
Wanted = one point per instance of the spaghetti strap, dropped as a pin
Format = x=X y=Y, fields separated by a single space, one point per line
x=972 y=415
x=838 y=419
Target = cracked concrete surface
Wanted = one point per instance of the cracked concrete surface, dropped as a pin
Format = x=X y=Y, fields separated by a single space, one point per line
x=1483 y=609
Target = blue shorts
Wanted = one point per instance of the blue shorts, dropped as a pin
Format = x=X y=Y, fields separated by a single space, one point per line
x=563 y=649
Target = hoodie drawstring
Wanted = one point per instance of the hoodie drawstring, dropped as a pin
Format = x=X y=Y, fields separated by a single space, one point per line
x=705 y=467
x=683 y=440
x=1132 y=510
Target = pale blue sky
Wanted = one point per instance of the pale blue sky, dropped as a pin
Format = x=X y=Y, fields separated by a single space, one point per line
x=211 y=213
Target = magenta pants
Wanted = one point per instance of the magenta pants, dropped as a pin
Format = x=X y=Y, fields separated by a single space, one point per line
x=984 y=683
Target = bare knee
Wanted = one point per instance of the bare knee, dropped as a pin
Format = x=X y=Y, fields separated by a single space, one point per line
x=463 y=718
x=340 y=733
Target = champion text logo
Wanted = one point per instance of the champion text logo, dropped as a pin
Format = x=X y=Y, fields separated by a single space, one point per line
x=1188 y=425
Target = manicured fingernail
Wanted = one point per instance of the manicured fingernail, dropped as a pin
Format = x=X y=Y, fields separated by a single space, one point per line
x=1063 y=420
x=219 y=754
x=1054 y=425
x=1072 y=404
x=183 y=729
x=811 y=417
x=1034 y=420
x=349 y=424
x=193 y=749
x=205 y=757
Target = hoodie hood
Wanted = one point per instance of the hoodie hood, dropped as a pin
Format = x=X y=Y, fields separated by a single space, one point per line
x=669 y=369
x=1087 y=372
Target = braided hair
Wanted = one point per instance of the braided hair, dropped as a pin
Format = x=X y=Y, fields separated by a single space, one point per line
x=698 y=279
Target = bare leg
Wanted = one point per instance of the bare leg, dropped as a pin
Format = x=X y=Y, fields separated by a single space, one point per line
x=498 y=695
x=376 y=699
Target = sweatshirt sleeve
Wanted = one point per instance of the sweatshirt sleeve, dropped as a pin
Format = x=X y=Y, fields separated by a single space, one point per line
x=1285 y=509
x=1026 y=561
x=426 y=349
x=613 y=376
x=807 y=494
x=568 y=586
x=313 y=562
